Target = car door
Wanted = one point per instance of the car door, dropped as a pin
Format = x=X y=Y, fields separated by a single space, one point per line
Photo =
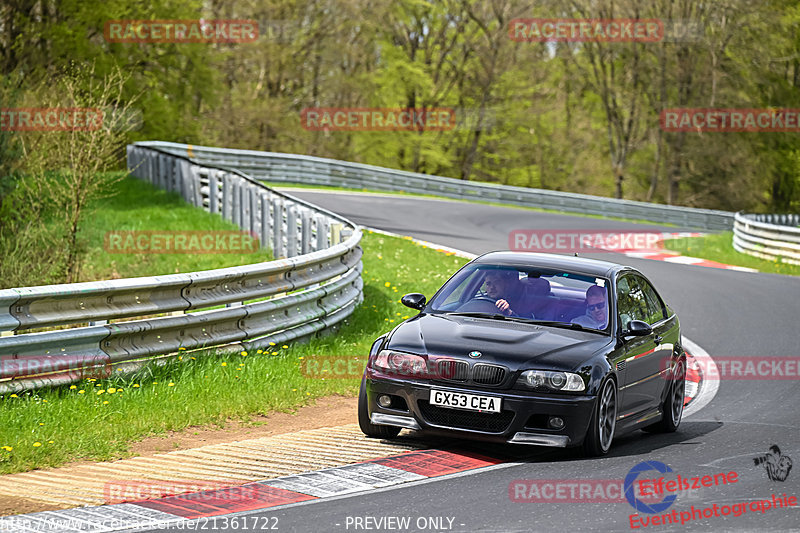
x=642 y=387
x=665 y=335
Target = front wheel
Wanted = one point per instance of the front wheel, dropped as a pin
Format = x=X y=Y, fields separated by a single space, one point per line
x=604 y=421
x=368 y=428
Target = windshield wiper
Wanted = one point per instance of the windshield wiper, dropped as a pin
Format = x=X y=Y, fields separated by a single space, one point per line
x=566 y=325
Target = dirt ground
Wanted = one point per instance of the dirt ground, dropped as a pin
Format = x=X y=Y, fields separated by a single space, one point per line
x=326 y=412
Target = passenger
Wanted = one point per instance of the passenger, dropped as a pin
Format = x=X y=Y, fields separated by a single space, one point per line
x=504 y=287
x=596 y=316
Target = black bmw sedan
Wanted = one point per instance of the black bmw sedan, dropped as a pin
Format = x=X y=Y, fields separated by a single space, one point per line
x=529 y=348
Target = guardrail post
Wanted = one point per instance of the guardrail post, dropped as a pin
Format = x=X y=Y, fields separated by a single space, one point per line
x=278 y=250
x=291 y=231
x=243 y=205
x=213 y=192
x=336 y=230
x=236 y=201
x=266 y=234
x=252 y=223
x=322 y=232
x=227 y=196
x=305 y=241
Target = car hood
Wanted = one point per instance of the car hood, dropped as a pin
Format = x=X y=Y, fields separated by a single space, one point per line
x=513 y=344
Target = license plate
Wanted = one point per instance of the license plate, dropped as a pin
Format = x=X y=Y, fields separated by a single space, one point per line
x=470 y=402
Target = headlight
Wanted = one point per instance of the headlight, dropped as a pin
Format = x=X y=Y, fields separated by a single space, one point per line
x=556 y=381
x=399 y=363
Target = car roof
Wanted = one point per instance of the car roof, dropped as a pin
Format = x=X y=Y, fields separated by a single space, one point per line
x=581 y=265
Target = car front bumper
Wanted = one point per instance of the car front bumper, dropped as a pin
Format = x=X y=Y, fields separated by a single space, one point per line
x=523 y=419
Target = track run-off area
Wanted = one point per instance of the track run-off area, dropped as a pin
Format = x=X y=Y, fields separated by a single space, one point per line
x=350 y=483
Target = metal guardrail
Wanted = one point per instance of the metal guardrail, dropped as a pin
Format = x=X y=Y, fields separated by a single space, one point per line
x=772 y=237
x=279 y=167
x=315 y=283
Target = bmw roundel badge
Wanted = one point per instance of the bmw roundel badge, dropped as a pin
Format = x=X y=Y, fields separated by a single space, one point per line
x=475 y=354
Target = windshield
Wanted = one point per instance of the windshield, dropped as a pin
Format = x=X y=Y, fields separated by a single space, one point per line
x=499 y=291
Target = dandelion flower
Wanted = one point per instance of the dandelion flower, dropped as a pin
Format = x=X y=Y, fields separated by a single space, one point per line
x=244 y=354
x=105 y=402
x=14 y=396
x=50 y=442
x=284 y=346
x=272 y=344
x=73 y=387
x=171 y=384
x=101 y=391
x=387 y=284
x=7 y=448
x=224 y=364
x=112 y=390
x=37 y=444
x=81 y=391
x=274 y=353
x=135 y=385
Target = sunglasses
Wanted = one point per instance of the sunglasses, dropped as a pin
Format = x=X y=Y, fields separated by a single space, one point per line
x=600 y=305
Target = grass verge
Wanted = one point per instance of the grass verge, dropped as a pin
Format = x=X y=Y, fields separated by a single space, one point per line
x=718 y=247
x=97 y=420
x=138 y=206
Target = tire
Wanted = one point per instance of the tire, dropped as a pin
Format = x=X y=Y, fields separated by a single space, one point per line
x=598 y=438
x=672 y=408
x=368 y=428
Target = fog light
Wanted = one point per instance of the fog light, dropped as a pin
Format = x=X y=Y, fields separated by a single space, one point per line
x=384 y=400
x=556 y=422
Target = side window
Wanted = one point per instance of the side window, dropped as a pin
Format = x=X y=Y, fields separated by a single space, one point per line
x=655 y=307
x=631 y=303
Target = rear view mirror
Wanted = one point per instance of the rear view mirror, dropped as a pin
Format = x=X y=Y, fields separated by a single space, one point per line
x=414 y=300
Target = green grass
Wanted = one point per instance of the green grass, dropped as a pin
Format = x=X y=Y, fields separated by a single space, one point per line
x=198 y=390
x=138 y=206
x=719 y=247
x=285 y=185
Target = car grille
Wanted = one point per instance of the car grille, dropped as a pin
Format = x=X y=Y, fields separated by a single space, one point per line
x=488 y=374
x=452 y=370
x=489 y=422
x=481 y=373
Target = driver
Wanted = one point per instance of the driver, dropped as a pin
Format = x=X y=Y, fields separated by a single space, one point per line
x=503 y=286
x=596 y=309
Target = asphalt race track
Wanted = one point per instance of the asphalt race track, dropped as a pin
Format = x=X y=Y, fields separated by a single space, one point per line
x=728 y=313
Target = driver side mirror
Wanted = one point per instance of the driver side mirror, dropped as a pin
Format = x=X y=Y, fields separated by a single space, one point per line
x=637 y=328
x=414 y=300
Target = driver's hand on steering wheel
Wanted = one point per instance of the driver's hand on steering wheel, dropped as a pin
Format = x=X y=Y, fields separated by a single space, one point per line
x=504 y=307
